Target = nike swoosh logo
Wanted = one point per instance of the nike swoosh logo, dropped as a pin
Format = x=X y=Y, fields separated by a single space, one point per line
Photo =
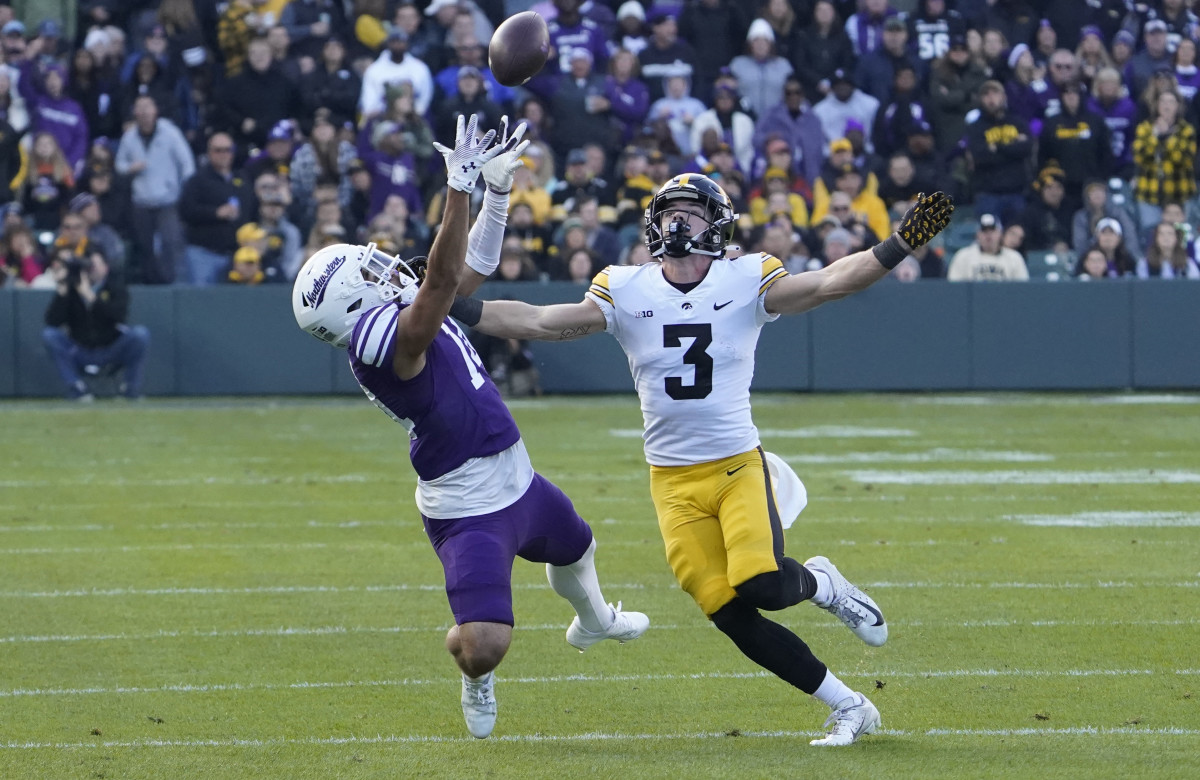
x=739 y=468
x=719 y=306
x=872 y=610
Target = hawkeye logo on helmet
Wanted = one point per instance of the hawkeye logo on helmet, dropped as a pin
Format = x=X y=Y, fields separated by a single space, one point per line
x=317 y=294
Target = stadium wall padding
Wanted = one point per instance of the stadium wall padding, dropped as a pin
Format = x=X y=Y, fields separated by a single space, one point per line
x=931 y=335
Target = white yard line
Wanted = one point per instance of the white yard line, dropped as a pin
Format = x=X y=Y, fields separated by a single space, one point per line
x=1112 y=519
x=936 y=455
x=292 y=631
x=418 y=739
x=187 y=547
x=811 y=432
x=16 y=693
x=80 y=480
x=1100 y=478
x=292 y=589
x=1131 y=399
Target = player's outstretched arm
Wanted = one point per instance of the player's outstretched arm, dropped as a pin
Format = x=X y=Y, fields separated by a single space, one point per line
x=487 y=234
x=925 y=219
x=519 y=320
x=418 y=324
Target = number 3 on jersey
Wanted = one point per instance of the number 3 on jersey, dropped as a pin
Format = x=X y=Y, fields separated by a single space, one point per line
x=696 y=356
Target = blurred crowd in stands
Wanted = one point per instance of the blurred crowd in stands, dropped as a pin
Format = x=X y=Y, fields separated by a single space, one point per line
x=203 y=142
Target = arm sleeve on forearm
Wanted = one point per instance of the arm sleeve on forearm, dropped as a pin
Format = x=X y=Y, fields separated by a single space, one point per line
x=487 y=234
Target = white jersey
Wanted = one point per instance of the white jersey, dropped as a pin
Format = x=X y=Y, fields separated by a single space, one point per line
x=691 y=354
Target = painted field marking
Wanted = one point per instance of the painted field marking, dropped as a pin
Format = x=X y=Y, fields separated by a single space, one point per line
x=811 y=432
x=1132 y=399
x=191 y=547
x=17 y=693
x=1116 y=477
x=80 y=480
x=1112 y=520
x=184 y=547
x=292 y=631
x=418 y=739
x=294 y=589
x=936 y=455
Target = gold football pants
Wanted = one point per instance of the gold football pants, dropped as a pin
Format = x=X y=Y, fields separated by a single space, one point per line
x=719 y=523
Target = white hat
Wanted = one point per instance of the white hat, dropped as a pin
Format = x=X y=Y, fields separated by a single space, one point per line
x=438 y=5
x=790 y=495
x=1108 y=223
x=760 y=28
x=631 y=8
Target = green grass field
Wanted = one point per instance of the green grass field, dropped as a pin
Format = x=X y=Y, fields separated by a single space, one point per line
x=242 y=589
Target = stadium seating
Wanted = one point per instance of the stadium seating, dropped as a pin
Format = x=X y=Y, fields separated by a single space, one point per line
x=1051 y=266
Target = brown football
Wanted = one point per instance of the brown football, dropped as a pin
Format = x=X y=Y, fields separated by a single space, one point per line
x=519 y=48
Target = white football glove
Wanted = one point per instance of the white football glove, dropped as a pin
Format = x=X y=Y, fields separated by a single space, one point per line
x=498 y=172
x=469 y=155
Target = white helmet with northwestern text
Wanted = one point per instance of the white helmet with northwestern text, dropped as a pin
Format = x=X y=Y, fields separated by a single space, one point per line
x=342 y=282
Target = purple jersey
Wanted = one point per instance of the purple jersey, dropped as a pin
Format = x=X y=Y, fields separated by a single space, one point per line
x=1120 y=118
x=452 y=409
x=584 y=35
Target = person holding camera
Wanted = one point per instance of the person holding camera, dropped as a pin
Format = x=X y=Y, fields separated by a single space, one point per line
x=85 y=332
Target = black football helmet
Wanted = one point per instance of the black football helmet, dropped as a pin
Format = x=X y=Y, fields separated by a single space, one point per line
x=721 y=218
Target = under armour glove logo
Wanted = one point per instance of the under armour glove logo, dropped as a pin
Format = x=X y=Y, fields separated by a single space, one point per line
x=925 y=219
x=468 y=155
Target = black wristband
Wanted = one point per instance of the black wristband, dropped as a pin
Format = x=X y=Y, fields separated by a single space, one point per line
x=468 y=311
x=891 y=253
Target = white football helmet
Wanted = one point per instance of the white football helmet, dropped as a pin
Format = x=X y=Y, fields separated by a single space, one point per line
x=342 y=282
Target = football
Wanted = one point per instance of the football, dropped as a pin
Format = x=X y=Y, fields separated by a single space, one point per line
x=519 y=48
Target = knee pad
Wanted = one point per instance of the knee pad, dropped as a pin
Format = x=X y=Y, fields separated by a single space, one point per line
x=778 y=589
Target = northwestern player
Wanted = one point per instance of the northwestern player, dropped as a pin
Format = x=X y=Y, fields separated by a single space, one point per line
x=689 y=326
x=481 y=502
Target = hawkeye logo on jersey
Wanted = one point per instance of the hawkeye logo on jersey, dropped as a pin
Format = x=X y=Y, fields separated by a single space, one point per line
x=317 y=294
x=640 y=315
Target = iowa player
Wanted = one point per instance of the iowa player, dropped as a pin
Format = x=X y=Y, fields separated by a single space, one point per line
x=689 y=325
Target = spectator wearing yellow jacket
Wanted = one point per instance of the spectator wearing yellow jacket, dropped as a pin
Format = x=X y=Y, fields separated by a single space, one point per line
x=851 y=181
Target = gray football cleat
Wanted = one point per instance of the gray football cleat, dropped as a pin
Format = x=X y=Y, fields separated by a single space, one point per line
x=850 y=605
x=851 y=719
x=479 y=704
x=626 y=626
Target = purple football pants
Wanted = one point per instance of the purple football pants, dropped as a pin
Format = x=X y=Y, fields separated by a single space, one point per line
x=477 y=552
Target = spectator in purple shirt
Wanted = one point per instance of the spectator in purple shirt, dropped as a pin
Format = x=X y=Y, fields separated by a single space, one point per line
x=393 y=169
x=793 y=121
x=865 y=28
x=1118 y=112
x=1186 y=72
x=628 y=97
x=55 y=113
x=570 y=30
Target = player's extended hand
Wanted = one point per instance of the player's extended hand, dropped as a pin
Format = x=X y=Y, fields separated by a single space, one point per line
x=498 y=172
x=469 y=155
x=925 y=219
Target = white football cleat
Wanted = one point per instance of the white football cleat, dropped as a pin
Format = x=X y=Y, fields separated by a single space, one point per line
x=626 y=626
x=479 y=704
x=853 y=718
x=850 y=605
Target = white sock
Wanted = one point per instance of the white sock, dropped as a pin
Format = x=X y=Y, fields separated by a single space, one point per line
x=824 y=593
x=832 y=691
x=577 y=583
